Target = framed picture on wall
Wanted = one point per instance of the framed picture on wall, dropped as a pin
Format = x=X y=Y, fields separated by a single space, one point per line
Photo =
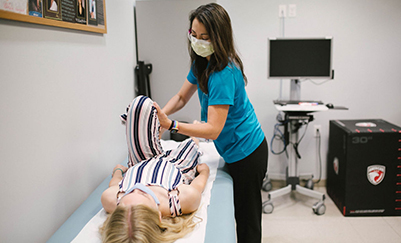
x=52 y=9
x=80 y=12
x=68 y=10
x=35 y=8
x=85 y=15
x=92 y=20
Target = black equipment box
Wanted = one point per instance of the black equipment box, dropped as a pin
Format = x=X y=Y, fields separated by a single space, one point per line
x=364 y=167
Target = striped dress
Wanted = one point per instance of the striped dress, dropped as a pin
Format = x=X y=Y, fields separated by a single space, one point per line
x=148 y=163
x=168 y=170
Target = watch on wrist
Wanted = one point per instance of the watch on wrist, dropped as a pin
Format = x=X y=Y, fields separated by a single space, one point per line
x=174 y=126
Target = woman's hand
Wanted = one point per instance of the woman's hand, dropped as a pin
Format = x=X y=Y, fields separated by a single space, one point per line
x=163 y=119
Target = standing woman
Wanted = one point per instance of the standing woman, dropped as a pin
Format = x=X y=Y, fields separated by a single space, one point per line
x=227 y=114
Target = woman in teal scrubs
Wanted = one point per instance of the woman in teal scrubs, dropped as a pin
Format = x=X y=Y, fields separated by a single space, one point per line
x=228 y=116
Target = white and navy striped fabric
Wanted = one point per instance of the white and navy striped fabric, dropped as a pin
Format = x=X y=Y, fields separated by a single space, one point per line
x=148 y=163
x=168 y=170
x=142 y=130
x=156 y=171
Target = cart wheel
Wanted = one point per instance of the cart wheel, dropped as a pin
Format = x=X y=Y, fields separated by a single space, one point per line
x=319 y=208
x=267 y=207
x=267 y=185
x=309 y=184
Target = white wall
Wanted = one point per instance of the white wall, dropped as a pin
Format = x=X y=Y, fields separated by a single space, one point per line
x=61 y=94
x=164 y=45
x=367 y=56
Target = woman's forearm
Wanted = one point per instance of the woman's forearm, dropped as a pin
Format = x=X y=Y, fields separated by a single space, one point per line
x=217 y=115
x=201 y=130
x=173 y=105
x=180 y=99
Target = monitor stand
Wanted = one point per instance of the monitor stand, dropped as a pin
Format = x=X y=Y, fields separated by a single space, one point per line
x=295 y=89
x=294 y=121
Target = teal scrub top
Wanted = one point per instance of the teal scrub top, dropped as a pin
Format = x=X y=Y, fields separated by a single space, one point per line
x=242 y=133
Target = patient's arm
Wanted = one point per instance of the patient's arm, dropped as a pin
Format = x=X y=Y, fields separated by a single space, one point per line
x=117 y=175
x=109 y=199
x=109 y=196
x=190 y=195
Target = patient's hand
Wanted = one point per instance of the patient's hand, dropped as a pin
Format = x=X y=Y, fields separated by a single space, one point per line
x=203 y=168
x=122 y=167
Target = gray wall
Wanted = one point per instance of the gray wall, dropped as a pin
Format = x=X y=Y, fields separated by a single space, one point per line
x=62 y=91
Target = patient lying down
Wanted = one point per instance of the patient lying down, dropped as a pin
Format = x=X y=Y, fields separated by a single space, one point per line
x=156 y=199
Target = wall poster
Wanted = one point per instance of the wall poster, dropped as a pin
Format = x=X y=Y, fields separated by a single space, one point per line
x=86 y=15
x=52 y=9
x=35 y=8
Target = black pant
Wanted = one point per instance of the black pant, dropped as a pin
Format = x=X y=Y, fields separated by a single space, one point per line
x=248 y=175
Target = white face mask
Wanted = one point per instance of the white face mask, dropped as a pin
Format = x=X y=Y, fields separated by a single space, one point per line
x=201 y=47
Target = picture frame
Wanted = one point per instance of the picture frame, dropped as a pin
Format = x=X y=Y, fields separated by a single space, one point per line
x=64 y=17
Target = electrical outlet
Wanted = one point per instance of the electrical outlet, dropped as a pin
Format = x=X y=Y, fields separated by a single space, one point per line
x=317 y=130
x=282 y=11
x=292 y=10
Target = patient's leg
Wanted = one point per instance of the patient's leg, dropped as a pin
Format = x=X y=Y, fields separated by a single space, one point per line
x=185 y=157
x=142 y=131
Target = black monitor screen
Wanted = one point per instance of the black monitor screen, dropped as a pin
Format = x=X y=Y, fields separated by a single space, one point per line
x=299 y=58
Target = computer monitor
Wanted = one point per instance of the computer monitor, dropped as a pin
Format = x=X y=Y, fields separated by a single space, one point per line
x=300 y=58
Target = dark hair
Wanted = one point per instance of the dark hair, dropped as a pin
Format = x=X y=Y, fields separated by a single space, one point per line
x=218 y=25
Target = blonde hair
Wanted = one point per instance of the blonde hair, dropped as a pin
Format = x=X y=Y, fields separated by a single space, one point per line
x=142 y=224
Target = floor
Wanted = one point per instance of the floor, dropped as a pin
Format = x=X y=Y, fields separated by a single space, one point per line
x=294 y=221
